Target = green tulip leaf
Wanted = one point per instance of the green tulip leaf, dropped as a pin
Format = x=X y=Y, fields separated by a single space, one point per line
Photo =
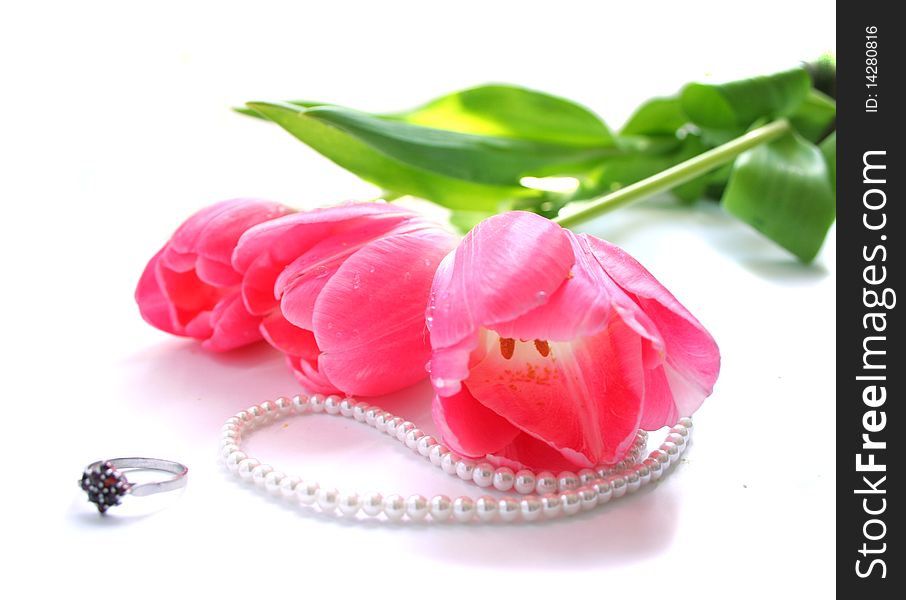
x=658 y=116
x=458 y=170
x=783 y=189
x=829 y=150
x=512 y=112
x=737 y=104
x=815 y=117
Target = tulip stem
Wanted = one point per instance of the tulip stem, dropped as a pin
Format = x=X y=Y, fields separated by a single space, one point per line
x=677 y=174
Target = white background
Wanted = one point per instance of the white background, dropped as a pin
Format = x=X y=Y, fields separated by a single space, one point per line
x=115 y=126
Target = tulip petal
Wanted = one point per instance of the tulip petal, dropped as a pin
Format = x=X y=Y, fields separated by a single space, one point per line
x=219 y=236
x=300 y=231
x=689 y=349
x=309 y=377
x=298 y=301
x=506 y=266
x=289 y=339
x=469 y=428
x=369 y=318
x=152 y=303
x=584 y=398
x=233 y=326
x=527 y=452
x=258 y=285
x=578 y=308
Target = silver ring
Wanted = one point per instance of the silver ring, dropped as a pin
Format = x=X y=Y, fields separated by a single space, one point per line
x=106 y=485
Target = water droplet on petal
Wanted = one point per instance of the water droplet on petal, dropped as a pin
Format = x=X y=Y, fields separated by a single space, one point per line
x=371 y=269
x=428 y=366
x=407 y=276
x=356 y=281
x=541 y=296
x=439 y=383
x=321 y=271
x=330 y=325
x=427 y=262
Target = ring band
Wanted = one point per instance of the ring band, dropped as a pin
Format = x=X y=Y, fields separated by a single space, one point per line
x=106 y=484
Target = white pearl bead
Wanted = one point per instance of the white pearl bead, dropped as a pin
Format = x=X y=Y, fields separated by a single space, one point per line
x=633 y=481
x=358 y=412
x=603 y=472
x=328 y=499
x=546 y=483
x=587 y=476
x=644 y=474
x=288 y=487
x=380 y=421
x=371 y=414
x=530 y=508
x=604 y=490
x=233 y=460
x=525 y=482
x=332 y=404
x=255 y=412
x=394 y=507
x=588 y=497
x=349 y=503
x=391 y=425
x=682 y=431
x=412 y=438
x=463 y=509
x=346 y=406
x=441 y=508
x=234 y=420
x=567 y=481
x=284 y=405
x=372 y=504
x=618 y=483
x=246 y=467
x=226 y=450
x=483 y=474
x=317 y=402
x=570 y=502
x=260 y=472
x=424 y=445
x=268 y=409
x=551 y=505
x=654 y=468
x=508 y=509
x=662 y=457
x=404 y=428
x=307 y=492
x=417 y=507
x=436 y=454
x=676 y=439
x=448 y=463
x=464 y=469
x=687 y=423
x=300 y=403
x=229 y=431
x=243 y=416
x=504 y=479
x=486 y=508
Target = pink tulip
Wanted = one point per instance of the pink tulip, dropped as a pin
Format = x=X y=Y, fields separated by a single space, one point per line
x=342 y=292
x=550 y=349
x=189 y=287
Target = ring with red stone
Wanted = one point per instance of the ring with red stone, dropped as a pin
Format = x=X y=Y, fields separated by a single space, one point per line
x=106 y=484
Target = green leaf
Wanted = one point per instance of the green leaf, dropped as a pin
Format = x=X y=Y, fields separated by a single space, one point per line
x=455 y=169
x=620 y=171
x=251 y=112
x=829 y=150
x=815 y=116
x=658 y=116
x=465 y=220
x=783 y=190
x=512 y=112
x=737 y=104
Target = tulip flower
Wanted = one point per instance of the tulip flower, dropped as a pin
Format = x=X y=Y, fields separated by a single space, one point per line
x=342 y=291
x=550 y=348
x=189 y=288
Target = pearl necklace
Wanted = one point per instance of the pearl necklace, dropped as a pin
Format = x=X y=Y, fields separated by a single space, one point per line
x=543 y=494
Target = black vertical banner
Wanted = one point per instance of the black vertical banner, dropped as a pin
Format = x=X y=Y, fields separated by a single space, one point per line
x=870 y=268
